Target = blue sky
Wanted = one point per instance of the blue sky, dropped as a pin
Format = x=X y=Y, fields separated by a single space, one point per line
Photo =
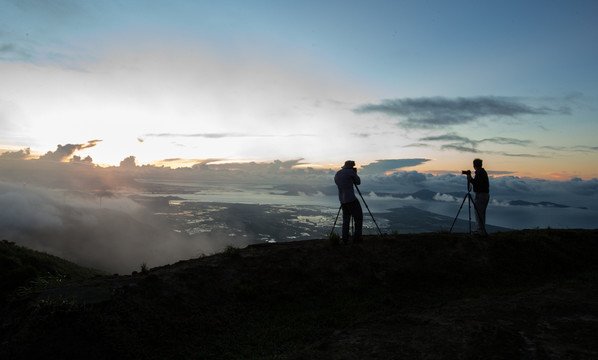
x=512 y=82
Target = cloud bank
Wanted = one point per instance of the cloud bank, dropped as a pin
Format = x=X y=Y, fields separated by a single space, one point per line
x=85 y=213
x=112 y=234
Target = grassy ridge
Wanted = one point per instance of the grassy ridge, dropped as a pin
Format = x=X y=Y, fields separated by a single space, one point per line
x=521 y=294
x=22 y=268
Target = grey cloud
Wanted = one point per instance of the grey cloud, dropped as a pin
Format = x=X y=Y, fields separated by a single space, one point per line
x=361 y=135
x=12 y=51
x=384 y=166
x=77 y=159
x=16 y=155
x=447 y=137
x=422 y=145
x=464 y=144
x=216 y=135
x=129 y=162
x=578 y=148
x=522 y=155
x=205 y=135
x=506 y=141
x=460 y=148
x=60 y=10
x=64 y=152
x=436 y=112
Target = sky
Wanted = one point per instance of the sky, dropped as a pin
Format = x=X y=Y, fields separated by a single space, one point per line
x=178 y=83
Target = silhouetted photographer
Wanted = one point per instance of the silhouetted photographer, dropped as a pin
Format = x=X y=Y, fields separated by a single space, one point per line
x=345 y=178
x=481 y=189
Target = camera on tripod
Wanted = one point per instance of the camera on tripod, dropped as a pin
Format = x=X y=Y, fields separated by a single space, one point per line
x=465 y=172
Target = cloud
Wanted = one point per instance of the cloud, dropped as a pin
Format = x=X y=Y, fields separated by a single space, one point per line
x=438 y=112
x=577 y=148
x=460 y=148
x=506 y=141
x=390 y=165
x=64 y=152
x=522 y=155
x=464 y=144
x=115 y=235
x=205 y=135
x=445 y=197
x=219 y=135
x=129 y=162
x=447 y=137
x=12 y=51
x=16 y=155
x=60 y=9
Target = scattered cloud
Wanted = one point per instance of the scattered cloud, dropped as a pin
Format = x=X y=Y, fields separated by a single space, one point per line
x=17 y=155
x=421 y=145
x=129 y=162
x=390 y=165
x=460 y=148
x=12 y=51
x=439 y=112
x=577 y=148
x=64 y=152
x=205 y=135
x=522 y=155
x=217 y=135
x=464 y=144
x=507 y=141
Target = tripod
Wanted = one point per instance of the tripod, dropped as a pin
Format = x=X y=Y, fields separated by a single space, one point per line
x=469 y=202
x=366 y=206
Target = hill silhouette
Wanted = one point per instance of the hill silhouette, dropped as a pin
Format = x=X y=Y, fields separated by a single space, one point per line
x=530 y=294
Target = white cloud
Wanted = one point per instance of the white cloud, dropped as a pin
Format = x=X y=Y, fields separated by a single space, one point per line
x=445 y=197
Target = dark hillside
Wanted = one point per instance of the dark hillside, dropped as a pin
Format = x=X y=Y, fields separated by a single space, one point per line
x=529 y=294
x=22 y=269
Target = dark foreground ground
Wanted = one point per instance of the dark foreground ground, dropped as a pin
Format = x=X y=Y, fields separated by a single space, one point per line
x=529 y=294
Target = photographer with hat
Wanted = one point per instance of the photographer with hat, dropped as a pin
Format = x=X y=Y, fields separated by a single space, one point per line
x=344 y=179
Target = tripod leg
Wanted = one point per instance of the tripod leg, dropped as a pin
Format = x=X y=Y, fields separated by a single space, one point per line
x=367 y=207
x=335 y=220
x=352 y=236
x=460 y=207
x=469 y=201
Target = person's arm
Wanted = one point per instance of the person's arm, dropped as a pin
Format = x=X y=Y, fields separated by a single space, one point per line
x=469 y=178
x=356 y=178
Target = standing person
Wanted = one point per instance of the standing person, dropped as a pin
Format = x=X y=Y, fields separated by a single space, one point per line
x=481 y=188
x=344 y=179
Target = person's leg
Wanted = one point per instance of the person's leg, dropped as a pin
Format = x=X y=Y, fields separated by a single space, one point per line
x=481 y=203
x=357 y=214
x=346 y=222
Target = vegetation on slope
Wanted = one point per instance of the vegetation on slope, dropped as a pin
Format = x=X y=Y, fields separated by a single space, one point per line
x=24 y=269
x=522 y=294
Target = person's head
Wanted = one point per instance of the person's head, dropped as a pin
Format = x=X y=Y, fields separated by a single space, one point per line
x=349 y=164
x=477 y=163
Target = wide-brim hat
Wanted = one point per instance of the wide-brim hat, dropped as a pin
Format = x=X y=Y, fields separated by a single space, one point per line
x=349 y=164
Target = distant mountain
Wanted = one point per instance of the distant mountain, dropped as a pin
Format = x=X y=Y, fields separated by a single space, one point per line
x=429 y=195
x=541 y=203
